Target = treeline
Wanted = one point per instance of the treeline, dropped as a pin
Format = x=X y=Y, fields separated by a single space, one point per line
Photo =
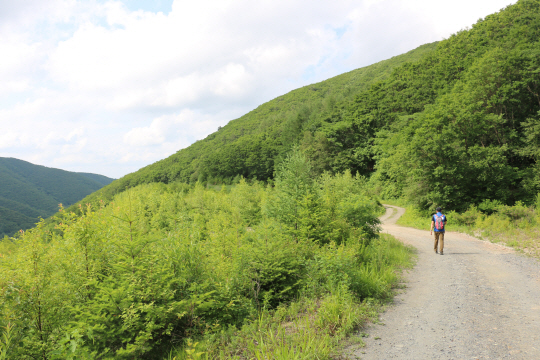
x=478 y=140
x=457 y=127
x=162 y=266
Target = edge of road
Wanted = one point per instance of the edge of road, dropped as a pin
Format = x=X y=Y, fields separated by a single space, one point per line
x=393 y=213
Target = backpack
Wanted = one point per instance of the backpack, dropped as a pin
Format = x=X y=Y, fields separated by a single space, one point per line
x=439 y=223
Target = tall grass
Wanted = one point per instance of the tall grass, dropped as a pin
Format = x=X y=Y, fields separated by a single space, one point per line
x=7 y=336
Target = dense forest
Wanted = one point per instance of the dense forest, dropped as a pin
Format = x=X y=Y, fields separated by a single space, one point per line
x=262 y=240
x=31 y=191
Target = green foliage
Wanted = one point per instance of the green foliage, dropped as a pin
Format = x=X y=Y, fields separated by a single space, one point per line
x=7 y=334
x=162 y=264
x=293 y=187
x=331 y=209
x=35 y=288
x=475 y=140
x=517 y=226
x=419 y=219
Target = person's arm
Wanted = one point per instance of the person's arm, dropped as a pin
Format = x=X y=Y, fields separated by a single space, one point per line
x=432 y=224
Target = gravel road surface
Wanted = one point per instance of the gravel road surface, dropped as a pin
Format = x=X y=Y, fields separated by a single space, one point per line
x=477 y=301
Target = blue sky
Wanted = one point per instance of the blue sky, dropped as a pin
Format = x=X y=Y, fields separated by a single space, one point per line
x=108 y=86
x=155 y=6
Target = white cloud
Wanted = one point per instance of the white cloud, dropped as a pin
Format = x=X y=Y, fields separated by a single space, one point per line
x=88 y=85
x=25 y=13
x=8 y=139
x=17 y=58
x=144 y=136
x=173 y=130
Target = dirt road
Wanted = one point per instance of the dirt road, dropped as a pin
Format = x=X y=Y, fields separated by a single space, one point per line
x=477 y=301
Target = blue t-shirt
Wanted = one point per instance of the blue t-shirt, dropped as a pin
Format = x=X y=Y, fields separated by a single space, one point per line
x=434 y=218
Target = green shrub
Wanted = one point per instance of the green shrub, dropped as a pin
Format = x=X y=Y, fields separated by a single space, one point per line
x=516 y=226
x=468 y=218
x=163 y=265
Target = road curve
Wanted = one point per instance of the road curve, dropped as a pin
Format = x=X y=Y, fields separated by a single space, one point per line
x=477 y=301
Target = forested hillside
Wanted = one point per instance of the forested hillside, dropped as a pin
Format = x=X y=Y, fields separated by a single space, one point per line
x=29 y=191
x=463 y=126
x=103 y=180
x=451 y=123
x=251 y=145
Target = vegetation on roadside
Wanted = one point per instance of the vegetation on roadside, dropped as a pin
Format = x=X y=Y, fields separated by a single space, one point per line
x=313 y=326
x=517 y=226
x=162 y=267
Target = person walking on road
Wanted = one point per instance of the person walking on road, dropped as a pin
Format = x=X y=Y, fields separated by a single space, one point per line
x=438 y=223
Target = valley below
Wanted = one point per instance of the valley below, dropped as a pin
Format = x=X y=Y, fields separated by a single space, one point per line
x=477 y=301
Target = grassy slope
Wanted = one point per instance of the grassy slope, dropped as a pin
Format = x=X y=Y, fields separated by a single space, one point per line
x=203 y=248
x=182 y=165
x=29 y=191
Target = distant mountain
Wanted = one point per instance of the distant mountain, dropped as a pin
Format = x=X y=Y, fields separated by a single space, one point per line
x=29 y=191
x=103 y=180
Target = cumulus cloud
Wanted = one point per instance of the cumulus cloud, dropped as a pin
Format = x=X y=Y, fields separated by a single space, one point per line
x=8 y=139
x=144 y=136
x=176 y=130
x=95 y=86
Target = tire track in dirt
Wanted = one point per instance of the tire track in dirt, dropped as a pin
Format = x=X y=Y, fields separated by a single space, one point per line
x=477 y=301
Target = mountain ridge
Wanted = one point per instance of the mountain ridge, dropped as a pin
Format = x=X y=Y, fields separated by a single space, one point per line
x=31 y=191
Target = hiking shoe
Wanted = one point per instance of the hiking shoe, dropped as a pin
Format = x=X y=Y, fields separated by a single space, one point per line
x=436 y=252
x=441 y=253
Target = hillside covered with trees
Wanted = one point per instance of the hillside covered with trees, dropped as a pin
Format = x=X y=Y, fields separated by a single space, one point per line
x=30 y=191
x=253 y=144
x=451 y=123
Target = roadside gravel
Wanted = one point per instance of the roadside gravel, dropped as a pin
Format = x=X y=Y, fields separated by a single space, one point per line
x=477 y=301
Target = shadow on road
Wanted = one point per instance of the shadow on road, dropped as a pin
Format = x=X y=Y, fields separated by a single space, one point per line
x=458 y=253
